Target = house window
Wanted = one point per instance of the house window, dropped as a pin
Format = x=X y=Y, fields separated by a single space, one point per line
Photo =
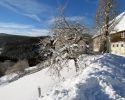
x=113 y=45
x=122 y=45
x=123 y=35
x=117 y=45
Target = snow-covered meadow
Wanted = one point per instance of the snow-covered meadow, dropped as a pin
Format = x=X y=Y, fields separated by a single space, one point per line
x=101 y=77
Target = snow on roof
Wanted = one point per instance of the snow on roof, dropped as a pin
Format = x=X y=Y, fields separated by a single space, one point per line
x=120 y=26
x=119 y=23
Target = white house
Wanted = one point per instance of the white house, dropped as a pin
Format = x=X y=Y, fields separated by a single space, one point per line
x=117 y=36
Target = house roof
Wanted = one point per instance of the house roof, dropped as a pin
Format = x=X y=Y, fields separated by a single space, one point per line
x=118 y=25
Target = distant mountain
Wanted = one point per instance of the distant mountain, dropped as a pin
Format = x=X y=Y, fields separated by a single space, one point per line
x=8 y=38
x=19 y=47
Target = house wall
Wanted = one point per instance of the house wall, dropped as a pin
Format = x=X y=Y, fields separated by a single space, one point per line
x=116 y=39
x=118 y=43
x=118 y=48
x=96 y=44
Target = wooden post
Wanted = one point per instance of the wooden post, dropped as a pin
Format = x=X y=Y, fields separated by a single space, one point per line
x=39 y=91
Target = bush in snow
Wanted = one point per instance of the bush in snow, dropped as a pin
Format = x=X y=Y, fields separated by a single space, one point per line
x=1 y=71
x=4 y=66
x=18 y=67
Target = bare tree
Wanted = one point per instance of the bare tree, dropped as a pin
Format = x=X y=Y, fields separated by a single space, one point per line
x=69 y=40
x=107 y=11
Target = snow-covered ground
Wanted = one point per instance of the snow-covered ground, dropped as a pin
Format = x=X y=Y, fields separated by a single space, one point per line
x=101 y=77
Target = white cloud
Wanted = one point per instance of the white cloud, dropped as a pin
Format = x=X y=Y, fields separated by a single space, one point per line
x=29 y=8
x=38 y=32
x=91 y=1
x=21 y=29
x=51 y=21
x=33 y=16
x=76 y=18
x=71 y=18
x=14 y=25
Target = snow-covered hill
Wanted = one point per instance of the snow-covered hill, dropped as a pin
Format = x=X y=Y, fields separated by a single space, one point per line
x=101 y=77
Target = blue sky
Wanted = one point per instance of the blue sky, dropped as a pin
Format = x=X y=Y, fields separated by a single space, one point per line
x=35 y=17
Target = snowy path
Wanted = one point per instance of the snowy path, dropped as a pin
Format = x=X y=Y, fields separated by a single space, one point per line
x=104 y=79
